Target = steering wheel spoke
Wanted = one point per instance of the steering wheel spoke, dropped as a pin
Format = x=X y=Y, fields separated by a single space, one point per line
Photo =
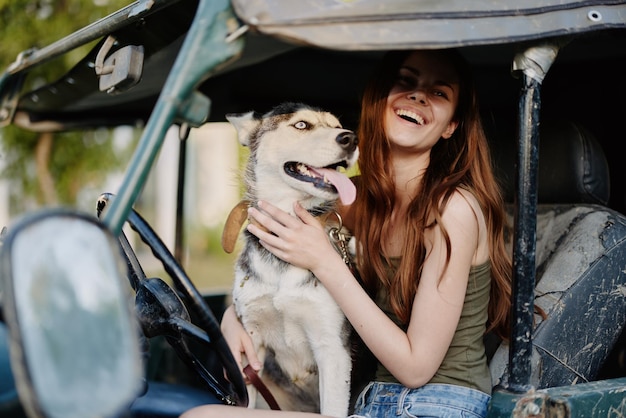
x=181 y=315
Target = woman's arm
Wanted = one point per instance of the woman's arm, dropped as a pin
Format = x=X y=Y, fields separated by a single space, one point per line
x=414 y=356
x=239 y=341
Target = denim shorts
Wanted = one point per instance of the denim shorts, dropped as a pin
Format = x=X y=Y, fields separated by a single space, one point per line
x=380 y=399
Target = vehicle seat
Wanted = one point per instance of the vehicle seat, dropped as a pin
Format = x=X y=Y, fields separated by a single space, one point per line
x=580 y=258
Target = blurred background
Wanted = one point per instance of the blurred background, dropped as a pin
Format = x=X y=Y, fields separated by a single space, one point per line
x=72 y=169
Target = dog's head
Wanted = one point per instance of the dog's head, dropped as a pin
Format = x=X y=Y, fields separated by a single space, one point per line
x=295 y=154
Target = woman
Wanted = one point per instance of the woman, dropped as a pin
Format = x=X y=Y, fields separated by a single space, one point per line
x=429 y=221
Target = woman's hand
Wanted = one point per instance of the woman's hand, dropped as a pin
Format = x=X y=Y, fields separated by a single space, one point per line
x=301 y=241
x=239 y=341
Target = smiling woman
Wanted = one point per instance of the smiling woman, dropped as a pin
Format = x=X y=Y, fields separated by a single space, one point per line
x=429 y=222
x=203 y=59
x=424 y=94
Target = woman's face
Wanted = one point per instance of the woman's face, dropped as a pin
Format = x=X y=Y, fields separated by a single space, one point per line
x=421 y=104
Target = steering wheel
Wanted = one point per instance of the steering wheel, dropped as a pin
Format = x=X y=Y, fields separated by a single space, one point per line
x=185 y=320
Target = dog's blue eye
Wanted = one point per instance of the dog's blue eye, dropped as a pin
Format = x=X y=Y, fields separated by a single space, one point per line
x=301 y=125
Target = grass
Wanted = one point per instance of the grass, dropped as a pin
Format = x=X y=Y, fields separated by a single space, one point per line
x=211 y=274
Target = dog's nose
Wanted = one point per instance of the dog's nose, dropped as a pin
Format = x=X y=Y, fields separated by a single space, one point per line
x=347 y=140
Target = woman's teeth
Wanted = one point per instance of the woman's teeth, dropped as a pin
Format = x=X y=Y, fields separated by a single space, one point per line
x=410 y=116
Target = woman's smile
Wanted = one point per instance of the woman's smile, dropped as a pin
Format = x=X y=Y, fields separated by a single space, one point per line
x=411 y=116
x=422 y=102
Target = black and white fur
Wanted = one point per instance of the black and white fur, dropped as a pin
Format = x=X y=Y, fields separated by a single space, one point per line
x=299 y=332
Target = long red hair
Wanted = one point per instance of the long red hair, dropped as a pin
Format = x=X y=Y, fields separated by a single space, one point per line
x=462 y=161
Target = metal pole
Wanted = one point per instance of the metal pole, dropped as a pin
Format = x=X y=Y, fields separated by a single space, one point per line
x=205 y=47
x=533 y=63
x=119 y=19
x=180 y=195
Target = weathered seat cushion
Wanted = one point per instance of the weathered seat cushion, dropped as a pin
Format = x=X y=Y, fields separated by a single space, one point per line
x=580 y=257
x=581 y=286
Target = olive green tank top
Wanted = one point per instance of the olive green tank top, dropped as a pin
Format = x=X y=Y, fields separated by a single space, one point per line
x=465 y=363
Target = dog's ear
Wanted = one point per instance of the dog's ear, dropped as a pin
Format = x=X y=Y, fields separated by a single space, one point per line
x=245 y=124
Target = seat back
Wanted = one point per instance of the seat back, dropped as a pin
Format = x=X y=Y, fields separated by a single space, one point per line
x=572 y=165
x=580 y=258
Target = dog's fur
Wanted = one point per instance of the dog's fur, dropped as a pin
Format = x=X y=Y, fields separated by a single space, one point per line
x=299 y=332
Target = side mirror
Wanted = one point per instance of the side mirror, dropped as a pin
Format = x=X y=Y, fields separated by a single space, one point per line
x=74 y=343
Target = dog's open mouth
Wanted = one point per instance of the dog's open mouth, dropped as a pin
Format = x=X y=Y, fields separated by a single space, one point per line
x=328 y=178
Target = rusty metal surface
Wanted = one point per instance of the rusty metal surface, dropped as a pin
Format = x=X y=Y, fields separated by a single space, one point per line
x=597 y=399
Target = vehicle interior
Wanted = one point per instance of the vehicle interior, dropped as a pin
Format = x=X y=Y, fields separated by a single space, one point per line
x=581 y=195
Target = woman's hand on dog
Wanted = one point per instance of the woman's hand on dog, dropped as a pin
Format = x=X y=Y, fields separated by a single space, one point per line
x=239 y=341
x=301 y=241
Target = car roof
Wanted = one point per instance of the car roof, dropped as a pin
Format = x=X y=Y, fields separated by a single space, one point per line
x=317 y=51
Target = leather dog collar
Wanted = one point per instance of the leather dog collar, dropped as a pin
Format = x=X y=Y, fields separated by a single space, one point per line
x=234 y=222
x=238 y=216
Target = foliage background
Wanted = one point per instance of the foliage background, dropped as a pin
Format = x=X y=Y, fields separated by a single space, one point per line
x=45 y=168
x=55 y=169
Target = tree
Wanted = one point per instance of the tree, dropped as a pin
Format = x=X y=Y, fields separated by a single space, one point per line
x=51 y=168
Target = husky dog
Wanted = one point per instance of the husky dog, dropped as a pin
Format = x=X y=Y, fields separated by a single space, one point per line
x=299 y=332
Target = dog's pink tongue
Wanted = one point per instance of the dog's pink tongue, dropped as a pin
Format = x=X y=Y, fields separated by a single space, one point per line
x=344 y=186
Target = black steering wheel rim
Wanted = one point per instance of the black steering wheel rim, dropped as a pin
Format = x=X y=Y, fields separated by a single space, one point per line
x=230 y=386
